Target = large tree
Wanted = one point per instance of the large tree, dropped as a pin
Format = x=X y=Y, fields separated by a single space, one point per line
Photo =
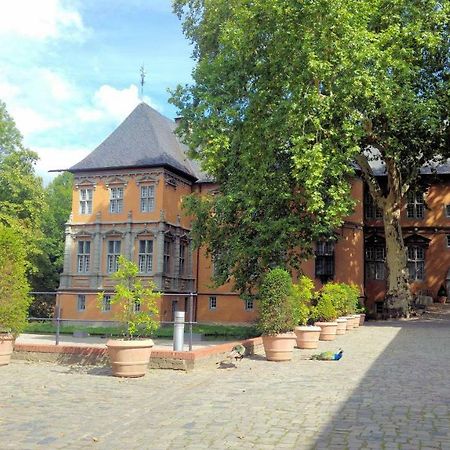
x=22 y=202
x=288 y=94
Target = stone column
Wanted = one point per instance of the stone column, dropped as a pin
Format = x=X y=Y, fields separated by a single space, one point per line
x=96 y=279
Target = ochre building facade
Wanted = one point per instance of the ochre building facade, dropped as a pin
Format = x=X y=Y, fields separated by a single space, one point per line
x=127 y=200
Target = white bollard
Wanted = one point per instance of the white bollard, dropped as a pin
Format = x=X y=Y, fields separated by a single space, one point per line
x=178 y=331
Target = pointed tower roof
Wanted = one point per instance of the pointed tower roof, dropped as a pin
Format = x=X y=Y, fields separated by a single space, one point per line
x=144 y=139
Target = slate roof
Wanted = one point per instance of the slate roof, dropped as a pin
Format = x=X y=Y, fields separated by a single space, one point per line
x=144 y=139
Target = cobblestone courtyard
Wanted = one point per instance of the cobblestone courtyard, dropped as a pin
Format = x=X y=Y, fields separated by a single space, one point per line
x=391 y=390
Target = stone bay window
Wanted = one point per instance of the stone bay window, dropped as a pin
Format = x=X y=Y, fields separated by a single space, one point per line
x=116 y=199
x=112 y=256
x=147 y=198
x=84 y=256
x=145 y=256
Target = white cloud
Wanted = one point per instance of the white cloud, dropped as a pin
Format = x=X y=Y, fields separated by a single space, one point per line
x=8 y=91
x=40 y=19
x=29 y=121
x=51 y=158
x=110 y=103
x=59 y=88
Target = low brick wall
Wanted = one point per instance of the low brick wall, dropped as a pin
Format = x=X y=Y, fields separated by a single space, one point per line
x=160 y=359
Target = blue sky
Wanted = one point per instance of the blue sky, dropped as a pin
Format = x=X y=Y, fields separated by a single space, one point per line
x=69 y=69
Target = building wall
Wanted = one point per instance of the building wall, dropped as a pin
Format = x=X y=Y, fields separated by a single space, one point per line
x=435 y=226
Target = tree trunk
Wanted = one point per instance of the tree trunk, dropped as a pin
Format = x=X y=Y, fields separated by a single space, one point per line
x=398 y=296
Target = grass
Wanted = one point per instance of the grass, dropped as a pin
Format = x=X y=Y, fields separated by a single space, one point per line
x=209 y=331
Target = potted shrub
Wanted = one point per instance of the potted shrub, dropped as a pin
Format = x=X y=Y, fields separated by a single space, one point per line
x=14 y=290
x=442 y=294
x=277 y=315
x=324 y=314
x=352 y=293
x=307 y=336
x=337 y=293
x=137 y=312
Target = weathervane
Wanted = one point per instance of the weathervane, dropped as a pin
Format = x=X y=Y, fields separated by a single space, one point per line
x=142 y=81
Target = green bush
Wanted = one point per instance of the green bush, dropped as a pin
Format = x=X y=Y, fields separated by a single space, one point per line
x=129 y=292
x=343 y=296
x=277 y=312
x=302 y=294
x=324 y=311
x=14 y=288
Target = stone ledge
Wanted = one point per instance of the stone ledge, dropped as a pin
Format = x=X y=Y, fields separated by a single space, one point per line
x=160 y=359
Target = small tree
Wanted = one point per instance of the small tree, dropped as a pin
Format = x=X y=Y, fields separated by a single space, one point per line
x=277 y=313
x=14 y=288
x=138 y=311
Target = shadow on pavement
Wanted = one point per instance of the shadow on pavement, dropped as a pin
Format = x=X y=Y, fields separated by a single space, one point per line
x=403 y=400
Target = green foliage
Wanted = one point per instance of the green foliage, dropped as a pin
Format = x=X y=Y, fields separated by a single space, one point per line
x=324 y=311
x=302 y=294
x=58 y=198
x=286 y=95
x=344 y=297
x=22 y=202
x=129 y=292
x=276 y=309
x=14 y=288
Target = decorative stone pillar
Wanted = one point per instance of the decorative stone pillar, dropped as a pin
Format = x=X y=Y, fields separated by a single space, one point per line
x=96 y=279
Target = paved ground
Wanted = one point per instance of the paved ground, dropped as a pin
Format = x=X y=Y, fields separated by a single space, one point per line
x=391 y=390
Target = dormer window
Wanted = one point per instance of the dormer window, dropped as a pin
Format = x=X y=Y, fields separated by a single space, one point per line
x=116 y=200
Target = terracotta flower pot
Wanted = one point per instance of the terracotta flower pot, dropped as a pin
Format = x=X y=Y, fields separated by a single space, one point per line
x=349 y=322
x=6 y=348
x=129 y=358
x=328 y=330
x=279 y=347
x=362 y=319
x=356 y=320
x=341 y=326
x=307 y=337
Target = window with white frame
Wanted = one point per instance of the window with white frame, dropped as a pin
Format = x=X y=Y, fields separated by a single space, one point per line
x=375 y=262
x=116 y=200
x=112 y=257
x=249 y=305
x=147 y=198
x=106 y=303
x=84 y=256
x=415 y=206
x=416 y=262
x=86 y=196
x=182 y=257
x=212 y=303
x=167 y=255
x=137 y=306
x=145 y=257
x=448 y=240
x=81 y=302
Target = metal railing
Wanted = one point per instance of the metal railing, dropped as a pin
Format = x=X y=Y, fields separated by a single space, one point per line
x=178 y=338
